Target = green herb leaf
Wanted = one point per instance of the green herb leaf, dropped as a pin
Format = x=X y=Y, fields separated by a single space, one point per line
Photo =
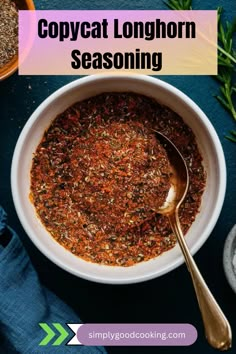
x=232 y=137
x=179 y=4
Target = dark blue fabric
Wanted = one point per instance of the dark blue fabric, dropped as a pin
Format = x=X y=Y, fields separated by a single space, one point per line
x=24 y=302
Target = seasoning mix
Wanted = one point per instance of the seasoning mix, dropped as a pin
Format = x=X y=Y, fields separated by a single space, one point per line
x=8 y=31
x=99 y=173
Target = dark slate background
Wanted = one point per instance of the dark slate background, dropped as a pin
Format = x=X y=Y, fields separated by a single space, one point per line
x=169 y=298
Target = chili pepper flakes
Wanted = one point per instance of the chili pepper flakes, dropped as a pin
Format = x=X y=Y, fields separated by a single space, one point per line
x=99 y=172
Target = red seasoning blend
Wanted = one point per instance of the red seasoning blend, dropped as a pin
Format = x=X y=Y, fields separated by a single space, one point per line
x=99 y=172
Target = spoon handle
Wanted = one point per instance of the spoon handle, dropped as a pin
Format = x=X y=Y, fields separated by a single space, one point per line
x=217 y=327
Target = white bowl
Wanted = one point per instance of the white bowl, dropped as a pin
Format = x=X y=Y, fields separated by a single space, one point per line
x=209 y=146
x=229 y=258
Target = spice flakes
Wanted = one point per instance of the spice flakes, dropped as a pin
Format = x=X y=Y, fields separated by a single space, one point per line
x=8 y=31
x=99 y=172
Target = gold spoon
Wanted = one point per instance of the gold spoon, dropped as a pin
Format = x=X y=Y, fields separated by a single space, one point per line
x=217 y=327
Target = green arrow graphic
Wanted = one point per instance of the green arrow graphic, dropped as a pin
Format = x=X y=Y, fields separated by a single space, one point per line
x=63 y=334
x=49 y=331
x=50 y=334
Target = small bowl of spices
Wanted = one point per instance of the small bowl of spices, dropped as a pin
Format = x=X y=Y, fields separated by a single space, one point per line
x=9 y=34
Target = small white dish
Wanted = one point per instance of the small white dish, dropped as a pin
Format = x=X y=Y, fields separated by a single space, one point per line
x=229 y=258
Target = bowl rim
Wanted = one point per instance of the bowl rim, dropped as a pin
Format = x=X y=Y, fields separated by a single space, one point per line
x=139 y=78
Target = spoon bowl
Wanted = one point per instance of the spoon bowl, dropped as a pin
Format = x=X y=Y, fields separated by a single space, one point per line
x=179 y=177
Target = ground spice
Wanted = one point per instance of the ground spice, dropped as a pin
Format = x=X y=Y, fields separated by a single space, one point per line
x=8 y=31
x=99 y=171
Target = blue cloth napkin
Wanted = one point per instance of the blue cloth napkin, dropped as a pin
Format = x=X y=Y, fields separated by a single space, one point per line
x=24 y=302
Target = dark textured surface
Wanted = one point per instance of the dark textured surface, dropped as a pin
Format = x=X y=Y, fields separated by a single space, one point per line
x=171 y=297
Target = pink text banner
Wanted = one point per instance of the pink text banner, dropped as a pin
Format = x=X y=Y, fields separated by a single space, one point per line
x=89 y=42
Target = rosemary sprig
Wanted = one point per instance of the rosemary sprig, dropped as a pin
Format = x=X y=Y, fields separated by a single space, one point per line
x=226 y=53
x=226 y=68
x=226 y=59
x=227 y=90
x=179 y=4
